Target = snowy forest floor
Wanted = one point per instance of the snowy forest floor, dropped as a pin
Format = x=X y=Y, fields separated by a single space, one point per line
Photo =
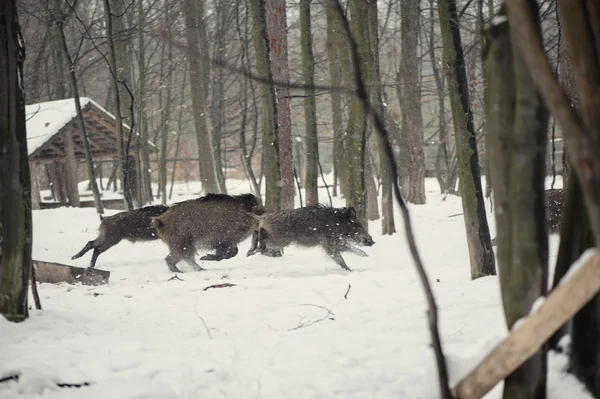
x=285 y=330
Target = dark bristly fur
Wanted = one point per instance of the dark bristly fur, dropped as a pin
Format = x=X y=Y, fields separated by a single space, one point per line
x=132 y=225
x=215 y=221
x=333 y=229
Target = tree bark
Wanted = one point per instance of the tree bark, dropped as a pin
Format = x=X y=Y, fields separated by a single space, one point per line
x=335 y=42
x=579 y=24
x=208 y=175
x=277 y=33
x=116 y=65
x=477 y=230
x=411 y=92
x=146 y=192
x=517 y=124
x=387 y=198
x=311 y=183
x=271 y=167
x=357 y=121
x=15 y=190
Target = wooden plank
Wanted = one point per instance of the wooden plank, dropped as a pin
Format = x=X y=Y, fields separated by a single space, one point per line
x=72 y=179
x=52 y=272
x=524 y=341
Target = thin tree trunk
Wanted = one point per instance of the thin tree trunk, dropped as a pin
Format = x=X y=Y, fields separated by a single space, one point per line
x=143 y=118
x=80 y=119
x=478 y=234
x=310 y=108
x=278 y=53
x=208 y=175
x=114 y=76
x=357 y=122
x=271 y=169
x=15 y=195
x=411 y=92
x=387 y=198
x=335 y=42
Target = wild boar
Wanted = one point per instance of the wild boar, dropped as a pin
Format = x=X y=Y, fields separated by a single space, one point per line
x=335 y=230
x=215 y=221
x=132 y=225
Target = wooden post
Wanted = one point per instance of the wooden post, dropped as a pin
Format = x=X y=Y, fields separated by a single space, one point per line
x=58 y=182
x=72 y=180
x=36 y=198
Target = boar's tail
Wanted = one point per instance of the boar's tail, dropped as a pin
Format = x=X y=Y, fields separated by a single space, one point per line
x=157 y=225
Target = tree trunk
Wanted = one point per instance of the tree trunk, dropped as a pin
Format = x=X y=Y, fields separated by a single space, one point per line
x=579 y=23
x=516 y=124
x=311 y=183
x=478 y=233
x=208 y=175
x=357 y=122
x=15 y=195
x=336 y=49
x=271 y=168
x=116 y=68
x=411 y=92
x=277 y=33
x=387 y=198
x=143 y=118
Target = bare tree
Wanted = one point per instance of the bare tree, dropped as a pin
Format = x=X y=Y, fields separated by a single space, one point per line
x=517 y=119
x=478 y=233
x=15 y=192
x=310 y=109
x=278 y=53
x=411 y=99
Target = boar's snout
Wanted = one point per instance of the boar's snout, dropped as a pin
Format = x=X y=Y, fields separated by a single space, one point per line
x=368 y=241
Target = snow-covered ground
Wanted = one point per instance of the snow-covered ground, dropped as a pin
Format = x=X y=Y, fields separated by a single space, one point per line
x=284 y=331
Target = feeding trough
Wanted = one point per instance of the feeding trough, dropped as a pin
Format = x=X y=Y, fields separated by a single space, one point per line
x=51 y=272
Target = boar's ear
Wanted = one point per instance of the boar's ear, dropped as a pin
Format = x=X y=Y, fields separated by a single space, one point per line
x=351 y=213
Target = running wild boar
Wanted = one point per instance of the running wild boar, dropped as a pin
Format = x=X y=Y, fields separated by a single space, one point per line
x=335 y=230
x=132 y=225
x=214 y=222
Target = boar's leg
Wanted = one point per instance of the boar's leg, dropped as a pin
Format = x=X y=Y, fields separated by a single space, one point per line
x=337 y=258
x=357 y=251
x=223 y=252
x=172 y=261
x=254 y=244
x=273 y=252
x=88 y=246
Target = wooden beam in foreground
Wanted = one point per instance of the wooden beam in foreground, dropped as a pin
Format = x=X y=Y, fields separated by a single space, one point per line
x=524 y=341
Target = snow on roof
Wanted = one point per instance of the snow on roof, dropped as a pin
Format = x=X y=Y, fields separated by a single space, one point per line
x=44 y=120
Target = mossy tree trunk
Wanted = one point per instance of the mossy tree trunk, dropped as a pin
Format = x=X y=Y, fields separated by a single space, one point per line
x=517 y=123
x=477 y=230
x=310 y=108
x=15 y=183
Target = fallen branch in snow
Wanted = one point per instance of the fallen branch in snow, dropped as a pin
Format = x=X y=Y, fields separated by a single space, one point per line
x=15 y=377
x=34 y=290
x=330 y=315
x=575 y=290
x=175 y=277
x=222 y=285
x=347 y=291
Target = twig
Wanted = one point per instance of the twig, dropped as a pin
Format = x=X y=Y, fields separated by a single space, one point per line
x=15 y=377
x=223 y=285
x=175 y=277
x=330 y=315
x=34 y=290
x=361 y=93
x=347 y=291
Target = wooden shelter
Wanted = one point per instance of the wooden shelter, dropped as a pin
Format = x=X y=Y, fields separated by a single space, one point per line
x=54 y=138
